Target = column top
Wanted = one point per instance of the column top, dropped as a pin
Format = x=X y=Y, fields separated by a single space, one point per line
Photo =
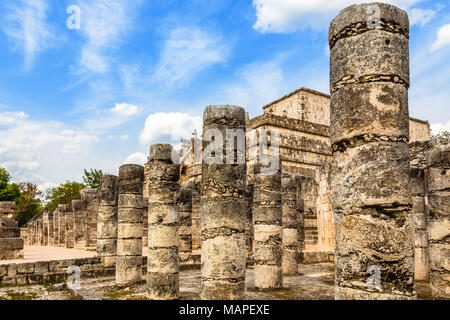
x=224 y=112
x=369 y=16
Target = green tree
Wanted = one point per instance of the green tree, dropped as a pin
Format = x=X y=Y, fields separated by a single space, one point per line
x=8 y=191
x=92 y=178
x=29 y=203
x=442 y=137
x=64 y=194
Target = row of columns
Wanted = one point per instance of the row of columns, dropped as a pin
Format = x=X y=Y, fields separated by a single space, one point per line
x=66 y=226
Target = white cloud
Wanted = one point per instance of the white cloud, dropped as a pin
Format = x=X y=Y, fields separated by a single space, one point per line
x=26 y=26
x=105 y=120
x=188 y=51
x=39 y=151
x=421 y=16
x=125 y=109
x=439 y=127
x=172 y=125
x=104 y=24
x=122 y=137
x=280 y=16
x=136 y=158
x=443 y=38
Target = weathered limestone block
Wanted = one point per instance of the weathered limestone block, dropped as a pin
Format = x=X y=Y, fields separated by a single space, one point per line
x=62 y=225
x=438 y=182
x=130 y=217
x=91 y=202
x=371 y=193
x=11 y=248
x=290 y=226
x=79 y=228
x=107 y=220
x=7 y=210
x=163 y=224
x=268 y=219
x=419 y=224
x=223 y=202
x=70 y=235
x=9 y=228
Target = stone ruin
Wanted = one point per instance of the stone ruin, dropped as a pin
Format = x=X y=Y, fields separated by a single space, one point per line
x=11 y=244
x=358 y=182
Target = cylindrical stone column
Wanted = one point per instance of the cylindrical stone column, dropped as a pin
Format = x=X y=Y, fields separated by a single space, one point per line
x=70 y=236
x=107 y=220
x=130 y=217
x=374 y=251
x=300 y=215
x=91 y=202
x=223 y=204
x=438 y=184
x=249 y=232
x=55 y=228
x=163 y=224
x=50 y=229
x=78 y=224
x=267 y=217
x=195 y=217
x=290 y=226
x=185 y=234
x=419 y=223
x=62 y=225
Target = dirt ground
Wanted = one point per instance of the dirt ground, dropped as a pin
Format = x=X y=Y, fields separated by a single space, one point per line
x=314 y=282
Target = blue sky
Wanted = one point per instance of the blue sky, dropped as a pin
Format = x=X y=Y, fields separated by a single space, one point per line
x=141 y=72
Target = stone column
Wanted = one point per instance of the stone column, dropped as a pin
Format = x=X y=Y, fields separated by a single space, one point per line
x=300 y=215
x=195 y=217
x=374 y=254
x=91 y=202
x=419 y=223
x=438 y=183
x=223 y=204
x=78 y=224
x=55 y=228
x=62 y=225
x=163 y=224
x=41 y=230
x=45 y=227
x=129 y=233
x=50 y=235
x=185 y=208
x=107 y=220
x=249 y=232
x=11 y=244
x=267 y=217
x=70 y=236
x=290 y=225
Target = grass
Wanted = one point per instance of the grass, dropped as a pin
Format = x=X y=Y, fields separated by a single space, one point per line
x=21 y=295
